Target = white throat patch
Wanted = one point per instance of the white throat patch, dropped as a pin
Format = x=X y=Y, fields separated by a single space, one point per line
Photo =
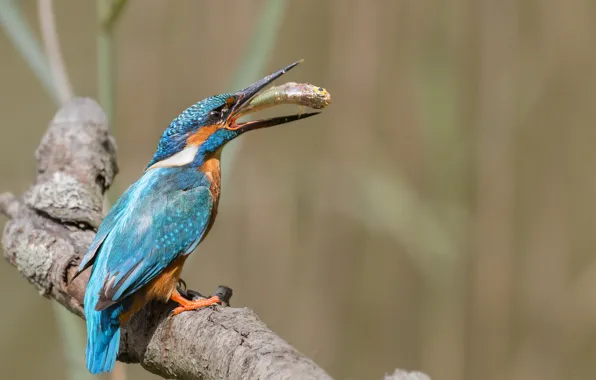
x=185 y=156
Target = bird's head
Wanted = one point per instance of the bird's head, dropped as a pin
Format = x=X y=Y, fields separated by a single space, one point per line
x=205 y=127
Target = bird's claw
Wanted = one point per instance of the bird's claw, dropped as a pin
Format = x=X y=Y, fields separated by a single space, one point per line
x=193 y=300
x=189 y=294
x=224 y=293
x=195 y=305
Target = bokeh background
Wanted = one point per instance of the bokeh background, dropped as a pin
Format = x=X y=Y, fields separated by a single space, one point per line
x=437 y=216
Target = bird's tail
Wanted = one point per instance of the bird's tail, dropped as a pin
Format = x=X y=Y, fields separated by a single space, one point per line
x=103 y=338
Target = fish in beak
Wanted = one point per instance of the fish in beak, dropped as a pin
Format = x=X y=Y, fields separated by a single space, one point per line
x=241 y=101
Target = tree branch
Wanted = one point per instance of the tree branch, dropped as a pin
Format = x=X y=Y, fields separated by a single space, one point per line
x=52 y=226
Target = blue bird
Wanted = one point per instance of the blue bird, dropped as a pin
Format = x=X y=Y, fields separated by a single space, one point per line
x=143 y=242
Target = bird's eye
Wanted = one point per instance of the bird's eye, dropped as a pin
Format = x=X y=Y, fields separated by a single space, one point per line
x=218 y=113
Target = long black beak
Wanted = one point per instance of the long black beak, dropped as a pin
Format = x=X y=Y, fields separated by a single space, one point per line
x=244 y=96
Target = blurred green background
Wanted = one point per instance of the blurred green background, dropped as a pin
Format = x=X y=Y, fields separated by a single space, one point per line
x=438 y=216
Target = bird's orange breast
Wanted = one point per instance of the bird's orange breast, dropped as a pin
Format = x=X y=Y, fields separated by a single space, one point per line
x=212 y=170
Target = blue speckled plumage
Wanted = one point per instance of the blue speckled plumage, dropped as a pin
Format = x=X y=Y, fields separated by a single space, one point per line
x=139 y=249
x=174 y=137
x=158 y=218
x=161 y=216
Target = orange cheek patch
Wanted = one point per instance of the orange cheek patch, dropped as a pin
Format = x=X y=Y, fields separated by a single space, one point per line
x=201 y=135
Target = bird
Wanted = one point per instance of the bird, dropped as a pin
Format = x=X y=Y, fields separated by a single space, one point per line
x=142 y=243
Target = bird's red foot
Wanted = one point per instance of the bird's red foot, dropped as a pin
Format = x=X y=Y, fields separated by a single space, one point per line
x=186 y=305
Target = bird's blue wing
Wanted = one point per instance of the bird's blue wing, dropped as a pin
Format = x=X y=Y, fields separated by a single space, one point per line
x=151 y=233
x=106 y=226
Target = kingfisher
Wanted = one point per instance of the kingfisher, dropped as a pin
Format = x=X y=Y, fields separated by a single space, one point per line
x=141 y=245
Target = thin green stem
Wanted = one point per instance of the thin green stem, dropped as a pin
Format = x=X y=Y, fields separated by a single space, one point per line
x=112 y=15
x=254 y=61
x=72 y=334
x=105 y=60
x=108 y=13
x=17 y=29
x=52 y=47
x=261 y=44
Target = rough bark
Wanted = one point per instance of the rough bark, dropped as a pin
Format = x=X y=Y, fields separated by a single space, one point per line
x=52 y=225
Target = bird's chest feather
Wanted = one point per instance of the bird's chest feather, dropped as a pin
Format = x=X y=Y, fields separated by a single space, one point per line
x=212 y=170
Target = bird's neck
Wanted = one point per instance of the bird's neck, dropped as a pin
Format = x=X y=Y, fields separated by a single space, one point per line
x=191 y=158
